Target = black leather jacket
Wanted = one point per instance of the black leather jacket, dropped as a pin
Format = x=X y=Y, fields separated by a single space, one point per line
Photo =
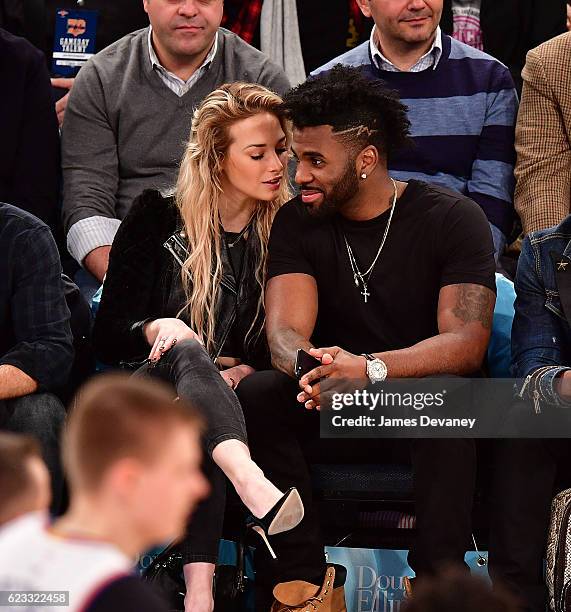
x=144 y=283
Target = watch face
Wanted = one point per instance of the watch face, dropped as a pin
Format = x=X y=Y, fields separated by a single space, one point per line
x=377 y=370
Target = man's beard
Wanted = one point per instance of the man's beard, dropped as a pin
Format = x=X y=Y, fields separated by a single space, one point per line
x=345 y=189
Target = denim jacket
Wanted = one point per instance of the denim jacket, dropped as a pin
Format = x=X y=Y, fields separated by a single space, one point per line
x=541 y=335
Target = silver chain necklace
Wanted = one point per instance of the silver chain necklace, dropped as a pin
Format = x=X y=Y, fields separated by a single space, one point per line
x=240 y=234
x=364 y=277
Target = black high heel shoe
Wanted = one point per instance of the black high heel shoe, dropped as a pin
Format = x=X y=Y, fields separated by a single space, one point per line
x=286 y=514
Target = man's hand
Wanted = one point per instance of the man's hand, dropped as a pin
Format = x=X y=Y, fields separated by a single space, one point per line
x=163 y=334
x=61 y=104
x=15 y=383
x=233 y=376
x=335 y=363
x=97 y=262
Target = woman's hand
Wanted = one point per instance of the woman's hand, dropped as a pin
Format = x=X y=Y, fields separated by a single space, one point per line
x=163 y=334
x=234 y=375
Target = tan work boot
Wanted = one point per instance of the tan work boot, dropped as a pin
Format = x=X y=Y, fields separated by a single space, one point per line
x=300 y=596
x=408 y=586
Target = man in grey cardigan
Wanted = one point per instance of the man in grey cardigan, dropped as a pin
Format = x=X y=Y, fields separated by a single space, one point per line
x=130 y=112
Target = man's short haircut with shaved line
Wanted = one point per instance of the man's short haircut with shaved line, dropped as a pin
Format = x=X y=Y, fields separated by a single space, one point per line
x=114 y=417
x=362 y=111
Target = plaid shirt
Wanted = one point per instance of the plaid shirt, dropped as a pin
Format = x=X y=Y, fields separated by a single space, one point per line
x=35 y=335
x=243 y=18
x=543 y=137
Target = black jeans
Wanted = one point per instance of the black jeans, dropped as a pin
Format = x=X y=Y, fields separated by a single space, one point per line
x=190 y=370
x=280 y=430
x=42 y=416
x=522 y=488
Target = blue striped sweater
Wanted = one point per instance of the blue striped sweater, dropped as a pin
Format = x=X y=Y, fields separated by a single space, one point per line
x=462 y=117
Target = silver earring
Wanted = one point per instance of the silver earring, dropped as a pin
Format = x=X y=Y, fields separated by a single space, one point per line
x=363 y=176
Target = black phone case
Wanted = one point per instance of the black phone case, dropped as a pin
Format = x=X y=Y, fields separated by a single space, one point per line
x=304 y=363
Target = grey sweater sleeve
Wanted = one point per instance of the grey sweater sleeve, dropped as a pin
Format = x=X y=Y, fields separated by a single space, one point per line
x=273 y=77
x=90 y=166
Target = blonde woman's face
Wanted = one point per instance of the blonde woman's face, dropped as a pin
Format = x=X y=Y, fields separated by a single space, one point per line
x=256 y=160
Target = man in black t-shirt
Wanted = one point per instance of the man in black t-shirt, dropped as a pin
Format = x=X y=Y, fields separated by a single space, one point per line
x=360 y=264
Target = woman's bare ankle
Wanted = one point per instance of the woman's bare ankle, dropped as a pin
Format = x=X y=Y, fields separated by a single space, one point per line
x=199 y=602
x=199 y=579
x=258 y=494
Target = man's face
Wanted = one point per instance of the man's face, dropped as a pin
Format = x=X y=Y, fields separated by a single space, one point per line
x=325 y=171
x=184 y=28
x=168 y=490
x=408 y=21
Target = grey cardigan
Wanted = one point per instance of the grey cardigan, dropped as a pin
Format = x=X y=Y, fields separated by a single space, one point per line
x=125 y=130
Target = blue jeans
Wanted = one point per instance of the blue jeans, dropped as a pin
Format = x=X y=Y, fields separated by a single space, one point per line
x=87 y=283
x=40 y=415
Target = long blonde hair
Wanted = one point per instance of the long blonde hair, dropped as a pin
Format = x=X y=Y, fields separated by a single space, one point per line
x=198 y=194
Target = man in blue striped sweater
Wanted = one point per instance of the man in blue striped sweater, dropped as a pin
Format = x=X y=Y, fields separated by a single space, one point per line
x=462 y=105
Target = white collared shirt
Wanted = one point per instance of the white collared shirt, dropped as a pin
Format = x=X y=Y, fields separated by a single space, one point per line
x=429 y=60
x=173 y=82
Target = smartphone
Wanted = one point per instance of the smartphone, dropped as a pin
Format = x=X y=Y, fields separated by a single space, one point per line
x=304 y=363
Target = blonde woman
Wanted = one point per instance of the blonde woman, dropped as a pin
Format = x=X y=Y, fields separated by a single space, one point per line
x=184 y=297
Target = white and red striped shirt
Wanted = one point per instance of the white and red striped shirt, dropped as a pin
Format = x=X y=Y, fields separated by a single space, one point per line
x=32 y=558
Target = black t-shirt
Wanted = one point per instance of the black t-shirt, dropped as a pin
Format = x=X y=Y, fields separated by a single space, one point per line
x=234 y=345
x=236 y=249
x=128 y=594
x=437 y=238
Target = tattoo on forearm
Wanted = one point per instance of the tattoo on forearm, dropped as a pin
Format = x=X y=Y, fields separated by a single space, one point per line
x=474 y=303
